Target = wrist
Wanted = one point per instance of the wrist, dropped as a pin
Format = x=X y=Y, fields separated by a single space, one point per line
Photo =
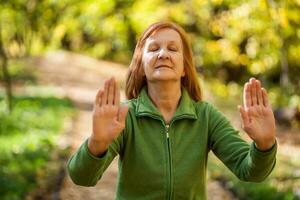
x=265 y=146
x=97 y=148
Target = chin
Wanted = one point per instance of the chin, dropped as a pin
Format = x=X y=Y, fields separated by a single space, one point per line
x=164 y=78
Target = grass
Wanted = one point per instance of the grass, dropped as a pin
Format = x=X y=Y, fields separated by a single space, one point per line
x=27 y=137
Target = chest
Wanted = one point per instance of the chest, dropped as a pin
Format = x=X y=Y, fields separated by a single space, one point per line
x=162 y=158
x=154 y=144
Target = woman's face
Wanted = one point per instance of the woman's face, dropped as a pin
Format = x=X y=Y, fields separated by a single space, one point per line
x=163 y=56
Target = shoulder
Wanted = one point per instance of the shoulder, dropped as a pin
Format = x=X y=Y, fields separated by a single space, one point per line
x=131 y=103
x=204 y=106
x=131 y=115
x=208 y=110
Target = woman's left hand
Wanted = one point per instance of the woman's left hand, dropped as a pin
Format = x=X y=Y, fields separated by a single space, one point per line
x=257 y=115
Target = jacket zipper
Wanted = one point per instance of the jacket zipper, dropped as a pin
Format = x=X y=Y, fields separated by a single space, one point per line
x=169 y=155
x=169 y=192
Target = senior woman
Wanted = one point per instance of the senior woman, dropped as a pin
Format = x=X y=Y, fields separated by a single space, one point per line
x=164 y=132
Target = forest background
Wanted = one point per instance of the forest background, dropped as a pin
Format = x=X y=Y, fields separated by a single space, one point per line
x=231 y=40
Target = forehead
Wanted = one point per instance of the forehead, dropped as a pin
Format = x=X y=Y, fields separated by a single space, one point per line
x=164 y=35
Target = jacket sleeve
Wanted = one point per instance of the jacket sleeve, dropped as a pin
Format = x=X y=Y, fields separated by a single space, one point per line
x=86 y=169
x=244 y=160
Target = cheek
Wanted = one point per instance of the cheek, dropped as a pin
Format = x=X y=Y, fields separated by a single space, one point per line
x=181 y=63
x=148 y=60
x=179 y=60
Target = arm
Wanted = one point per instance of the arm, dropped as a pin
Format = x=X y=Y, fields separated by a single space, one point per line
x=248 y=162
x=86 y=169
x=87 y=165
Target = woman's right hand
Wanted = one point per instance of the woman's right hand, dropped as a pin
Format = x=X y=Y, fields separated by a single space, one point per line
x=108 y=118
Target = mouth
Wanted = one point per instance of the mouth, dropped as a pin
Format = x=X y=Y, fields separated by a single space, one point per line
x=162 y=66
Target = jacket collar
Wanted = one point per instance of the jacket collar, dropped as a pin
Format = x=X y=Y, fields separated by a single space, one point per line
x=145 y=106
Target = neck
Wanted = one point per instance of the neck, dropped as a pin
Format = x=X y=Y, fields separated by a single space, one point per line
x=165 y=97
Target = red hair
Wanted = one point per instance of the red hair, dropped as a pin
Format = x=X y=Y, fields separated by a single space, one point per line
x=136 y=80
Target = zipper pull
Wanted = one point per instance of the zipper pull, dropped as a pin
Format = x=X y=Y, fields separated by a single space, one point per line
x=167 y=130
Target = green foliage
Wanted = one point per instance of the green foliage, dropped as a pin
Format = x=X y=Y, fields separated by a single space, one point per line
x=228 y=95
x=279 y=98
x=232 y=40
x=27 y=137
x=20 y=72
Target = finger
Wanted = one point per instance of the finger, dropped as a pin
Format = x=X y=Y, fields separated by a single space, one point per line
x=111 y=93
x=265 y=97
x=259 y=93
x=244 y=116
x=247 y=96
x=98 y=98
x=253 y=91
x=122 y=113
x=117 y=94
x=105 y=92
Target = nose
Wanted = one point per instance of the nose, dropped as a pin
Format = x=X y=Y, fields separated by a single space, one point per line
x=163 y=54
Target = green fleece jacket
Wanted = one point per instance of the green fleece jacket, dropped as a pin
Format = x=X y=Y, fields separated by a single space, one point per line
x=160 y=161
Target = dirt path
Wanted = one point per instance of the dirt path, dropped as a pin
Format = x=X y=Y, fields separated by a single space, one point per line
x=78 y=77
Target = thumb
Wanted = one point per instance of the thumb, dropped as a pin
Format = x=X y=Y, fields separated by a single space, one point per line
x=122 y=113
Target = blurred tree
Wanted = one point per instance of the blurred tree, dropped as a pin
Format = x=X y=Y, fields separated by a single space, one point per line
x=26 y=28
x=3 y=60
x=232 y=40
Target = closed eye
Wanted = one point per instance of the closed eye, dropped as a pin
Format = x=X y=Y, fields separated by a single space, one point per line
x=152 y=49
x=173 y=48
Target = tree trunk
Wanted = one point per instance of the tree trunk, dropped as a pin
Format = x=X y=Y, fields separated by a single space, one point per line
x=284 y=76
x=7 y=79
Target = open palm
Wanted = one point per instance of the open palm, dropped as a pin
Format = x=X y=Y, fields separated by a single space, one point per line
x=108 y=117
x=257 y=115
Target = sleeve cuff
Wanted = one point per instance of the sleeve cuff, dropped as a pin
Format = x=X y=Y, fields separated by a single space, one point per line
x=91 y=156
x=258 y=152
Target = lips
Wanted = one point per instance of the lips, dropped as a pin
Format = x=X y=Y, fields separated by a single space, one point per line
x=162 y=66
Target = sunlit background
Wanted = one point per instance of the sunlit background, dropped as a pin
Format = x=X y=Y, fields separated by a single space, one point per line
x=54 y=55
